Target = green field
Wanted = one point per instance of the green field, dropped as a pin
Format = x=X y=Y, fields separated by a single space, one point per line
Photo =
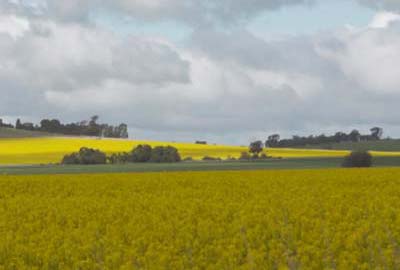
x=274 y=164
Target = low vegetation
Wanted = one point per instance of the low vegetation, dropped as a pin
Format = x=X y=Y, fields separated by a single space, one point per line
x=85 y=156
x=358 y=159
x=140 y=154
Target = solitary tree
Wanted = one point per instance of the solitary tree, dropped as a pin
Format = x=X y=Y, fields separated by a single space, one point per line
x=256 y=147
x=18 y=124
x=376 y=133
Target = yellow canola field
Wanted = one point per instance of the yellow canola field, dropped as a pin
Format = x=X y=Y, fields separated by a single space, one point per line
x=321 y=219
x=51 y=150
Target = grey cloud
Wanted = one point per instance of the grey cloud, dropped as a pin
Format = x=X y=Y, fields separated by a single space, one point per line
x=220 y=83
x=193 y=12
x=67 y=57
x=389 y=5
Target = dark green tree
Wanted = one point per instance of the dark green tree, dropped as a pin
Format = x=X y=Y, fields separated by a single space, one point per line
x=18 y=124
x=358 y=159
x=142 y=153
x=256 y=147
x=165 y=154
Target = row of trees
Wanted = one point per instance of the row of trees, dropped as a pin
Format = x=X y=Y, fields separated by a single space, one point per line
x=3 y=124
x=297 y=141
x=82 y=128
x=140 y=154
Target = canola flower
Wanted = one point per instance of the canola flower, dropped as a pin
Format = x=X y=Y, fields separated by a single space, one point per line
x=51 y=150
x=321 y=219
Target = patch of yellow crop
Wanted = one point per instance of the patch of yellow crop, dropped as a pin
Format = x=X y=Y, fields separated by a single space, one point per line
x=327 y=219
x=51 y=150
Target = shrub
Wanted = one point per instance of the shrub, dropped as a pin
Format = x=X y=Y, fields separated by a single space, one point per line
x=207 y=158
x=255 y=157
x=201 y=142
x=244 y=156
x=119 y=158
x=165 y=154
x=264 y=156
x=358 y=159
x=72 y=159
x=188 y=159
x=141 y=153
x=85 y=156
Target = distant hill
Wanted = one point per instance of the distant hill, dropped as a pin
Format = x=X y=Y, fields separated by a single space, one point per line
x=382 y=145
x=18 y=133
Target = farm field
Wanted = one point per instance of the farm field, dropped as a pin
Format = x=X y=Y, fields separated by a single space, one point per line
x=30 y=151
x=273 y=164
x=308 y=219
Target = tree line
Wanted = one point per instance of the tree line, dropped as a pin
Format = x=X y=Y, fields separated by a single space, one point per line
x=82 y=128
x=275 y=141
x=140 y=154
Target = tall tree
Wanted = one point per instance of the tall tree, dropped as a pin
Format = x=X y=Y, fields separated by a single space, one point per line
x=18 y=124
x=273 y=140
x=376 y=133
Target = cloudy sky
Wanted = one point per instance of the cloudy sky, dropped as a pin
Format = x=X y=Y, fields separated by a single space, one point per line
x=227 y=71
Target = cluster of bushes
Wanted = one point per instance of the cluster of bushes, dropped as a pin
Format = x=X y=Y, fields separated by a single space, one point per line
x=85 y=156
x=145 y=153
x=140 y=154
x=245 y=156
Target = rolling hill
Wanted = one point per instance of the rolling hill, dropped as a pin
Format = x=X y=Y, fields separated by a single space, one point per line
x=392 y=145
x=19 y=133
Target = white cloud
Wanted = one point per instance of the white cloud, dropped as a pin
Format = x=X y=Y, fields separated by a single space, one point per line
x=13 y=26
x=370 y=57
x=384 y=19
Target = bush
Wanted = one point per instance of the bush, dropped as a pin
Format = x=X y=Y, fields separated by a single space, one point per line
x=72 y=159
x=255 y=157
x=188 y=159
x=358 y=159
x=85 y=156
x=201 y=142
x=207 y=158
x=165 y=154
x=141 y=153
x=119 y=158
x=245 y=156
x=264 y=156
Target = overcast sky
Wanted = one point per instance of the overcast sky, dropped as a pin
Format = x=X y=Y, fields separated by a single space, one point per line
x=226 y=71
